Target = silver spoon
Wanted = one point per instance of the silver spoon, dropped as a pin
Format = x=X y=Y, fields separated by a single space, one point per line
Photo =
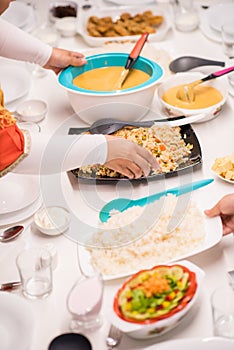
x=184 y=63
x=11 y=233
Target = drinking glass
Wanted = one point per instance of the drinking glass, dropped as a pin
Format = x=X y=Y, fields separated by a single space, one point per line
x=222 y=303
x=227 y=32
x=35 y=269
x=84 y=302
x=49 y=36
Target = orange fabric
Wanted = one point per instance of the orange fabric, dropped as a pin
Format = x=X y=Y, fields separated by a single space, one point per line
x=11 y=145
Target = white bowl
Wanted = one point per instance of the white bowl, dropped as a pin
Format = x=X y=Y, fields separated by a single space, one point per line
x=52 y=220
x=188 y=77
x=159 y=327
x=32 y=111
x=66 y=26
x=129 y=104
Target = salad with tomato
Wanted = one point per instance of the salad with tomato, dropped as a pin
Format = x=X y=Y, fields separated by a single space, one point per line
x=155 y=294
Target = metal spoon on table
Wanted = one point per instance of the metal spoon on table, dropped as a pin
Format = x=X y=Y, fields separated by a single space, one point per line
x=186 y=92
x=11 y=233
x=185 y=63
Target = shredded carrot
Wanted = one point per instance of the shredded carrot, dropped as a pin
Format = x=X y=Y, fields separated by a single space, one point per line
x=154 y=285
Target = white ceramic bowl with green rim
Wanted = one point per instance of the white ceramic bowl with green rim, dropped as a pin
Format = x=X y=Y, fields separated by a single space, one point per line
x=130 y=104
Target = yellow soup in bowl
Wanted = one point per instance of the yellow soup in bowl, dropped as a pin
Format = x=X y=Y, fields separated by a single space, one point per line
x=106 y=79
x=205 y=96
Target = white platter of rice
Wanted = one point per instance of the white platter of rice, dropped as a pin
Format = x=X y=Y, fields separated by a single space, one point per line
x=190 y=232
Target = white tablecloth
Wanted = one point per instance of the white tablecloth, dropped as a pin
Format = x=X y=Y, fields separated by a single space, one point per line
x=216 y=139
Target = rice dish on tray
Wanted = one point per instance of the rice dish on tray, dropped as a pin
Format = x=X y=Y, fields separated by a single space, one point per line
x=164 y=142
x=157 y=244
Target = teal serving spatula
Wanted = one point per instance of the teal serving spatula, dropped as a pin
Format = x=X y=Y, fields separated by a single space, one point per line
x=122 y=204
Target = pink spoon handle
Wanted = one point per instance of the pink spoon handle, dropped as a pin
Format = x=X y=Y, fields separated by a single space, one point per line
x=218 y=74
x=223 y=71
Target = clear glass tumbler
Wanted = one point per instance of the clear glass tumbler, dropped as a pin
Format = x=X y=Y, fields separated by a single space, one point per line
x=222 y=303
x=35 y=269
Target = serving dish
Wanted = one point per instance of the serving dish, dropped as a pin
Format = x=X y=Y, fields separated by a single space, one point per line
x=187 y=77
x=214 y=343
x=213 y=235
x=132 y=102
x=194 y=160
x=223 y=167
x=171 y=308
x=114 y=13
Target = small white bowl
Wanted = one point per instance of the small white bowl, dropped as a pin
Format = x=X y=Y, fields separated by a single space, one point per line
x=66 y=26
x=32 y=111
x=188 y=77
x=52 y=220
x=159 y=327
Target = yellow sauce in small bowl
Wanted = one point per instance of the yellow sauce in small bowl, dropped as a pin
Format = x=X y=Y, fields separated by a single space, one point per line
x=205 y=96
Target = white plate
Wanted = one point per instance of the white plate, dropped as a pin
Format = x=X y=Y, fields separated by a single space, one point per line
x=16 y=216
x=223 y=179
x=17 y=192
x=213 y=343
x=16 y=322
x=115 y=12
x=18 y=14
x=219 y=14
x=15 y=80
x=213 y=228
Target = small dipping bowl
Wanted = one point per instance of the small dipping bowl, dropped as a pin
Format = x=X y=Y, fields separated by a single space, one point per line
x=32 y=111
x=52 y=220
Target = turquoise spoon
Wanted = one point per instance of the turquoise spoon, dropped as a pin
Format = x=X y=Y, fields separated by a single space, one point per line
x=122 y=204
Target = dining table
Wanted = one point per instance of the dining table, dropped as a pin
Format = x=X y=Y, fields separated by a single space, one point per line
x=51 y=315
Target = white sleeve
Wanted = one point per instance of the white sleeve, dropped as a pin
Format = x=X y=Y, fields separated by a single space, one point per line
x=50 y=155
x=19 y=45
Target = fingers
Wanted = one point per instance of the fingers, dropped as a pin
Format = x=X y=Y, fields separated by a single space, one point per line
x=131 y=157
x=148 y=157
x=215 y=211
x=61 y=59
x=125 y=167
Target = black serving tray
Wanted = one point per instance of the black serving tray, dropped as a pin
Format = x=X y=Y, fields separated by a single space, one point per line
x=194 y=160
